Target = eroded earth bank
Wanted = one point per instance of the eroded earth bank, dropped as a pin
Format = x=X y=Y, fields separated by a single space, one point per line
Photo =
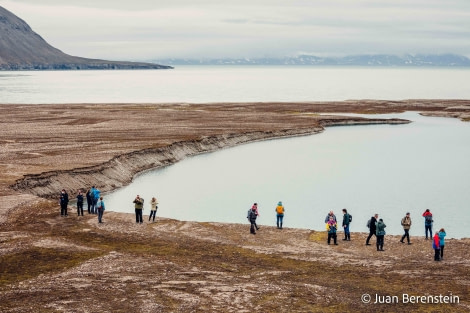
x=54 y=264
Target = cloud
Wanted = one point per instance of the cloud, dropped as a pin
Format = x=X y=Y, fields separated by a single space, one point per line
x=145 y=29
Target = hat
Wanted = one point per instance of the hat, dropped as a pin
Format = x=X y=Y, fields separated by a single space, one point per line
x=279 y=203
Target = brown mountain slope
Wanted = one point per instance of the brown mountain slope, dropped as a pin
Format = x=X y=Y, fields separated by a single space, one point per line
x=23 y=49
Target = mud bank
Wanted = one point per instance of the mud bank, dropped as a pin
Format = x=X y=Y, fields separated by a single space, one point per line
x=73 y=264
x=120 y=170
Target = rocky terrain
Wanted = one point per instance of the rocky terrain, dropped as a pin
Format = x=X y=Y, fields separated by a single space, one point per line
x=23 y=49
x=74 y=264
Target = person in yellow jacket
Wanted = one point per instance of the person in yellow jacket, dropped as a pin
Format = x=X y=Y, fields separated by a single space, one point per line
x=279 y=214
x=331 y=227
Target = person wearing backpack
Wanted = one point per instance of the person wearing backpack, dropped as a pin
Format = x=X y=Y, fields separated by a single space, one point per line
x=380 y=233
x=428 y=223
x=406 y=223
x=347 y=219
x=251 y=216
x=331 y=227
x=372 y=228
x=279 y=214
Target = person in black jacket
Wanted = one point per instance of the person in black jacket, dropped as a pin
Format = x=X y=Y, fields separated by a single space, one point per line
x=80 y=202
x=346 y=221
x=251 y=216
x=63 y=201
x=89 y=201
x=372 y=227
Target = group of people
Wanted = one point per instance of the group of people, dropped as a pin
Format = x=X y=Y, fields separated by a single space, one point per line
x=377 y=227
x=139 y=207
x=94 y=199
x=332 y=226
x=253 y=214
x=96 y=204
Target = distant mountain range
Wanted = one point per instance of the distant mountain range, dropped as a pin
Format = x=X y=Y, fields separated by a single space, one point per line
x=419 y=60
x=23 y=49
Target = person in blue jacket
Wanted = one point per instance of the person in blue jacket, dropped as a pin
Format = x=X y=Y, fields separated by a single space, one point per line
x=442 y=234
x=95 y=194
x=100 y=207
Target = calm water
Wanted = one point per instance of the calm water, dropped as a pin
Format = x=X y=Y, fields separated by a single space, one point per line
x=367 y=169
x=201 y=84
x=386 y=169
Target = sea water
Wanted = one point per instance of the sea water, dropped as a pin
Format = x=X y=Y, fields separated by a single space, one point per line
x=205 y=84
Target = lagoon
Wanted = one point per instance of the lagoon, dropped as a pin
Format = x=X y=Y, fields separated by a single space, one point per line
x=384 y=169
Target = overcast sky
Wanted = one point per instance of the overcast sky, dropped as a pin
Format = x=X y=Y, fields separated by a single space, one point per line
x=154 y=29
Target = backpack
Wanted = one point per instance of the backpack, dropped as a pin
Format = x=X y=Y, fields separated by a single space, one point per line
x=350 y=218
x=251 y=215
x=280 y=209
x=428 y=219
x=368 y=223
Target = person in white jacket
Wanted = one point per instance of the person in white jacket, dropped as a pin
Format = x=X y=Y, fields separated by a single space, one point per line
x=153 y=208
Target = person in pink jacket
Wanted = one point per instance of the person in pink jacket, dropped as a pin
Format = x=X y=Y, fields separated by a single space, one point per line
x=437 y=247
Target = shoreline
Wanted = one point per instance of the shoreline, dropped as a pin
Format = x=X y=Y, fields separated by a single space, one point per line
x=38 y=164
x=74 y=264
x=120 y=170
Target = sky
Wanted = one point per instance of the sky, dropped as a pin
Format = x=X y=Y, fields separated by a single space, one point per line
x=144 y=30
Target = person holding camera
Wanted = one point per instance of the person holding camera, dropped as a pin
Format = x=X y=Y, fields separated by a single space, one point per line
x=139 y=206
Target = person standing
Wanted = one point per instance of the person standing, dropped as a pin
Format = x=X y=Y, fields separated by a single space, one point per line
x=79 y=202
x=347 y=218
x=92 y=198
x=279 y=214
x=153 y=208
x=330 y=214
x=139 y=206
x=371 y=224
x=380 y=233
x=252 y=215
x=331 y=227
x=89 y=201
x=442 y=234
x=63 y=201
x=436 y=245
x=100 y=207
x=428 y=223
x=255 y=207
x=96 y=196
x=406 y=223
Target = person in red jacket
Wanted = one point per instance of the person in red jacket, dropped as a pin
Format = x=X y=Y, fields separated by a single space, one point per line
x=428 y=223
x=437 y=247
